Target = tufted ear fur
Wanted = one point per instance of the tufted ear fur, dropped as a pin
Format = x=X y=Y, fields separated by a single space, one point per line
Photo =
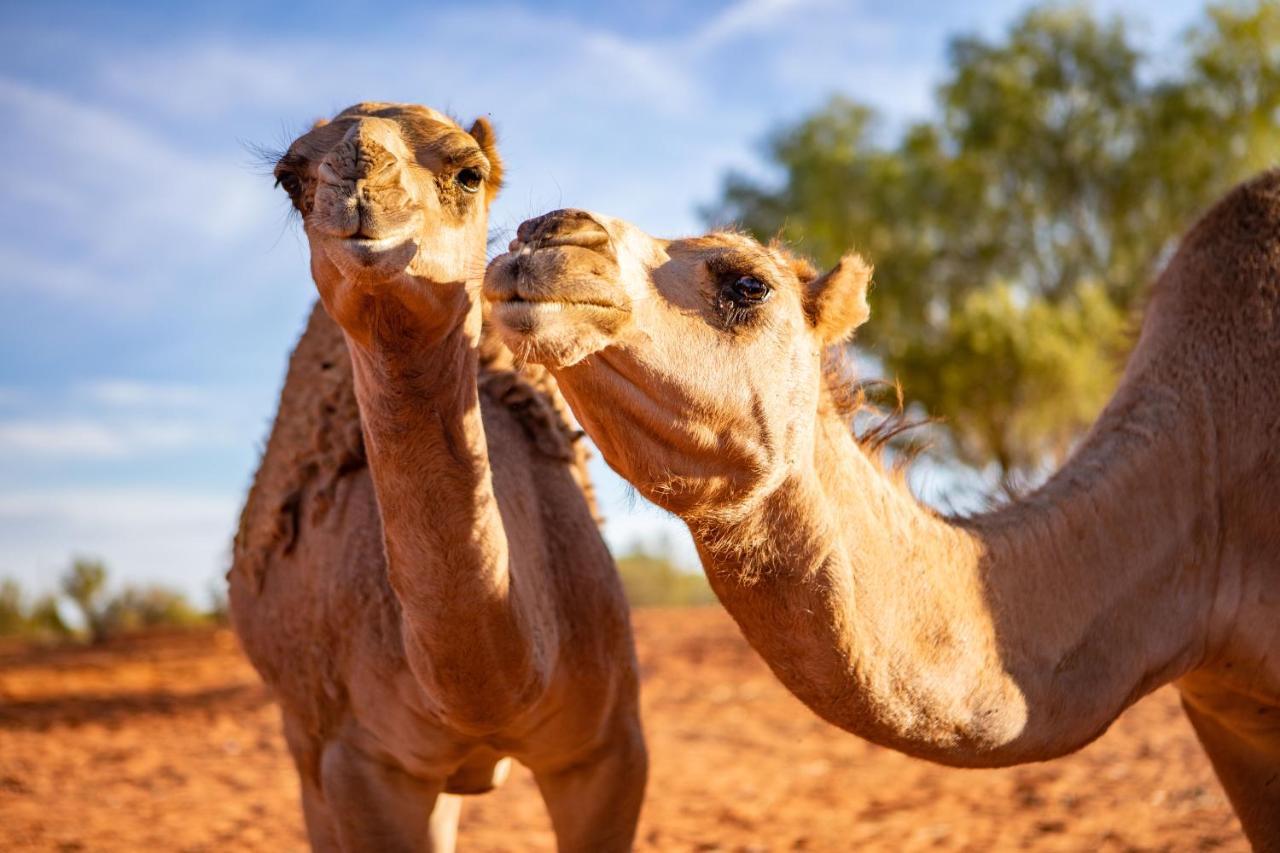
x=836 y=302
x=482 y=132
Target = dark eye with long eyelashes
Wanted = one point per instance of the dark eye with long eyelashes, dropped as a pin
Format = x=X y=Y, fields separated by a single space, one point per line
x=747 y=290
x=290 y=183
x=469 y=179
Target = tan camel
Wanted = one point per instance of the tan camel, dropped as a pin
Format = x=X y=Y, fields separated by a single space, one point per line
x=470 y=612
x=1014 y=636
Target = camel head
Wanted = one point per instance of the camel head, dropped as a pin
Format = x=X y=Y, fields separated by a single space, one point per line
x=392 y=197
x=694 y=364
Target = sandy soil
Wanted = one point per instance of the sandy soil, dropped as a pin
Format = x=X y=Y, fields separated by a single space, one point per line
x=171 y=743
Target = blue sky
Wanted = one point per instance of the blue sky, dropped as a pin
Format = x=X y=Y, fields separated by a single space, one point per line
x=152 y=284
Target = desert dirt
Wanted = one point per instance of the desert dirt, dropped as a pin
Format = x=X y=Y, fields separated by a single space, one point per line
x=169 y=742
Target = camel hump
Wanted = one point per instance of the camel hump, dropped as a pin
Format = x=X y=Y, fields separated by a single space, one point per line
x=1249 y=215
x=1223 y=283
x=315 y=441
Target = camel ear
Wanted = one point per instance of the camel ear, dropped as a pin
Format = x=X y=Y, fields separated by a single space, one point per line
x=482 y=132
x=837 y=301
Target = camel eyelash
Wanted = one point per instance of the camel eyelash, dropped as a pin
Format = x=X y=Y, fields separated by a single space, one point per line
x=736 y=291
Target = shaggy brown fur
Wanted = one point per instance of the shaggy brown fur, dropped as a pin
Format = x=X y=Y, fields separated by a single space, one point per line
x=418 y=573
x=1152 y=556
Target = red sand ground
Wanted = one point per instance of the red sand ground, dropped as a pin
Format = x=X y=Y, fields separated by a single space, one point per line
x=171 y=743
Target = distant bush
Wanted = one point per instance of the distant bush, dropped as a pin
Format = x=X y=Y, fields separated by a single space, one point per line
x=85 y=584
x=13 y=615
x=219 y=607
x=139 y=608
x=103 y=615
x=652 y=580
x=18 y=618
x=45 y=619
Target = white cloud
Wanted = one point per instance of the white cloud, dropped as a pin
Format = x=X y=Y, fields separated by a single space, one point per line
x=116 y=507
x=86 y=438
x=23 y=269
x=642 y=71
x=207 y=79
x=123 y=211
x=129 y=393
x=745 y=18
x=171 y=536
x=122 y=418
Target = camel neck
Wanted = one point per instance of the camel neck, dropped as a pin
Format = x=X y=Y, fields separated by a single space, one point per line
x=1012 y=636
x=446 y=546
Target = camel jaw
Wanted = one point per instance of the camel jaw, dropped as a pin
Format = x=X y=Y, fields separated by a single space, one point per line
x=557 y=334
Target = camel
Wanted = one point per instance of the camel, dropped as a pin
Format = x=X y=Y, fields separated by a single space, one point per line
x=418 y=572
x=701 y=369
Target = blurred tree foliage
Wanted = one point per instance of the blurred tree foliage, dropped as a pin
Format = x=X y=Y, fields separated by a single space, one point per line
x=13 y=610
x=653 y=580
x=39 y=618
x=141 y=608
x=1014 y=233
x=84 y=584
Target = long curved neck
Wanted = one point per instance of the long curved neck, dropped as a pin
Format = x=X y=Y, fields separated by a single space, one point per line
x=1014 y=636
x=468 y=641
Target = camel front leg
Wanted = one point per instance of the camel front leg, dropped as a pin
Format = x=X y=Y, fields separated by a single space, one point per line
x=1242 y=739
x=376 y=807
x=595 y=803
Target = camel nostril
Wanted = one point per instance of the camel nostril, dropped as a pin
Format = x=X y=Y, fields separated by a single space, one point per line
x=566 y=228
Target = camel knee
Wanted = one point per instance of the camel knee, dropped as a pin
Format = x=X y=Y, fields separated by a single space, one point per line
x=595 y=802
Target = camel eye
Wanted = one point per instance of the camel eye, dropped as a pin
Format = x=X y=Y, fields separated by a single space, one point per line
x=469 y=179
x=290 y=183
x=748 y=290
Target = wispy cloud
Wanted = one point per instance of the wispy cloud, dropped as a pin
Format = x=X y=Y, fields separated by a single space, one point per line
x=102 y=439
x=117 y=419
x=207 y=79
x=166 y=535
x=744 y=18
x=114 y=201
x=25 y=271
x=132 y=393
x=115 y=507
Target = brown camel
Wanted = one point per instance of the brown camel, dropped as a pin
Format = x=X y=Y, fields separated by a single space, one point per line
x=1153 y=556
x=418 y=573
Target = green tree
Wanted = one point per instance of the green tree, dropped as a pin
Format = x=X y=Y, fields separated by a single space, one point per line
x=1013 y=234
x=85 y=584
